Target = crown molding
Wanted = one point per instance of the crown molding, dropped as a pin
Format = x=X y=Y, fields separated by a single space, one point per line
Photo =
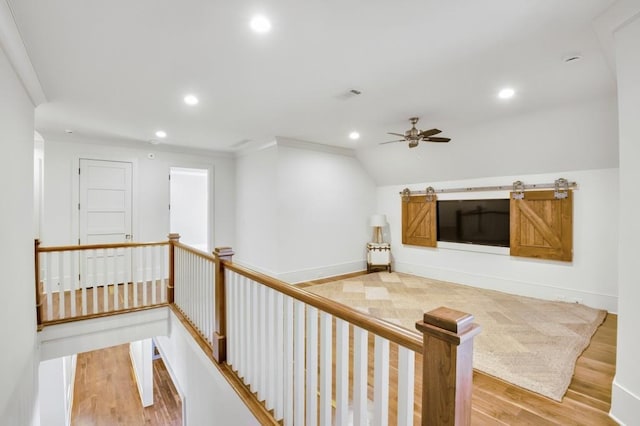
x=611 y=20
x=314 y=146
x=13 y=46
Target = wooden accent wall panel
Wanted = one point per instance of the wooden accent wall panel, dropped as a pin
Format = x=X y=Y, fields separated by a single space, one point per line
x=542 y=226
x=419 y=221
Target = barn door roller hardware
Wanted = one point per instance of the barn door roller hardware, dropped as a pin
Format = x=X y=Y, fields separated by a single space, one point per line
x=560 y=186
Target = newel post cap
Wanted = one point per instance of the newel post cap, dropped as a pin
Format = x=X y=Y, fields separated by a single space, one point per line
x=448 y=324
x=174 y=236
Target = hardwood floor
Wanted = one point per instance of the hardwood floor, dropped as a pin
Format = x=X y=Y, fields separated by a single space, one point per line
x=496 y=402
x=105 y=392
x=587 y=402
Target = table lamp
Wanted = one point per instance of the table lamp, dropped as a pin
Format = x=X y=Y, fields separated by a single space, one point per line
x=377 y=221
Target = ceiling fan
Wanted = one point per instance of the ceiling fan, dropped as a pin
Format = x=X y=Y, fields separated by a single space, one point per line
x=414 y=136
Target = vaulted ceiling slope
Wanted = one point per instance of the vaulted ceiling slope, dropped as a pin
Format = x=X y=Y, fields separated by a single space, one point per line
x=120 y=68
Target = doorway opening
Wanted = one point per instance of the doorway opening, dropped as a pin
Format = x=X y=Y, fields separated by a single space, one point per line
x=189 y=201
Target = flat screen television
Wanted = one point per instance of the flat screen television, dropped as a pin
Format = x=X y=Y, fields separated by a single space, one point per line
x=484 y=222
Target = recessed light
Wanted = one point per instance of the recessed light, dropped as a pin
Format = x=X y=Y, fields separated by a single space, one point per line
x=354 y=136
x=260 y=24
x=191 y=100
x=68 y=131
x=161 y=134
x=506 y=93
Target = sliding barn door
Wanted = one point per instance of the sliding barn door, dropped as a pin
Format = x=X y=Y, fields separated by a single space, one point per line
x=419 y=221
x=542 y=226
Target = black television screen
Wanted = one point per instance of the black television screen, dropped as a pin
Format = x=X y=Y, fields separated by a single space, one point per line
x=484 y=222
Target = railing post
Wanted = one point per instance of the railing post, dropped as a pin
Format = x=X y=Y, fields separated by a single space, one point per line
x=36 y=246
x=220 y=334
x=447 y=370
x=173 y=238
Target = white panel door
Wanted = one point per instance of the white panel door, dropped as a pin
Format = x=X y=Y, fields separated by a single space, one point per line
x=105 y=216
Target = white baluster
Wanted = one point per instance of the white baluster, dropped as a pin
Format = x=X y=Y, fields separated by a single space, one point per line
x=360 y=377
x=270 y=349
x=262 y=340
x=326 y=349
x=82 y=258
x=134 y=260
x=231 y=311
x=94 y=282
x=145 y=275
x=154 y=276
x=48 y=284
x=312 y=366
x=279 y=356
x=287 y=362
x=73 y=281
x=61 y=286
x=105 y=281
x=163 y=274
x=298 y=360
x=381 y=382
x=127 y=275
x=342 y=372
x=406 y=380
x=115 y=281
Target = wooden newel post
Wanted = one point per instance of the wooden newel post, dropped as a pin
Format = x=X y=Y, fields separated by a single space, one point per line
x=447 y=370
x=220 y=333
x=36 y=245
x=173 y=239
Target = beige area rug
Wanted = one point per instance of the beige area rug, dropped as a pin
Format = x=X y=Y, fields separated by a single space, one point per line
x=529 y=342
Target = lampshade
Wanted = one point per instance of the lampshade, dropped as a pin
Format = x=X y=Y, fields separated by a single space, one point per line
x=378 y=220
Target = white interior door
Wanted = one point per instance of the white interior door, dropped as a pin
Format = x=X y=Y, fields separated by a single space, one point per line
x=105 y=216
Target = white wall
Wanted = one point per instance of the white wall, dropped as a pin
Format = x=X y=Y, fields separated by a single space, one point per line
x=57 y=378
x=141 y=356
x=151 y=189
x=325 y=199
x=626 y=387
x=591 y=277
x=18 y=358
x=207 y=396
x=303 y=210
x=256 y=209
x=579 y=136
x=189 y=193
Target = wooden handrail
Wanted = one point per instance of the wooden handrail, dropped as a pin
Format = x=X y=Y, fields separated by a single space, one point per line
x=99 y=246
x=382 y=328
x=195 y=251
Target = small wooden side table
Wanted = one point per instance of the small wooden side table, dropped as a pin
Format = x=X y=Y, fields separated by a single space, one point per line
x=378 y=255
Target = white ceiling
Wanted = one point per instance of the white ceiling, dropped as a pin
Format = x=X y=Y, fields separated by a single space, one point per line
x=120 y=68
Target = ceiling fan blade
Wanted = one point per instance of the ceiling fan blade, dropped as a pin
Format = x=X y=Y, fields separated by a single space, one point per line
x=396 y=134
x=436 y=139
x=427 y=133
x=383 y=143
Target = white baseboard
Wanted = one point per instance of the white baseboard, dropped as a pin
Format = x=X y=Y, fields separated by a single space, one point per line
x=625 y=405
x=302 y=275
x=522 y=288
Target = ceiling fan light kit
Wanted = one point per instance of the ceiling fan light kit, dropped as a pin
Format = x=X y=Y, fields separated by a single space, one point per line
x=415 y=136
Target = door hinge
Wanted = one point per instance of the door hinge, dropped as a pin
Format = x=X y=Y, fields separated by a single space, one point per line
x=78 y=241
x=169 y=177
x=78 y=206
x=169 y=206
x=78 y=170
